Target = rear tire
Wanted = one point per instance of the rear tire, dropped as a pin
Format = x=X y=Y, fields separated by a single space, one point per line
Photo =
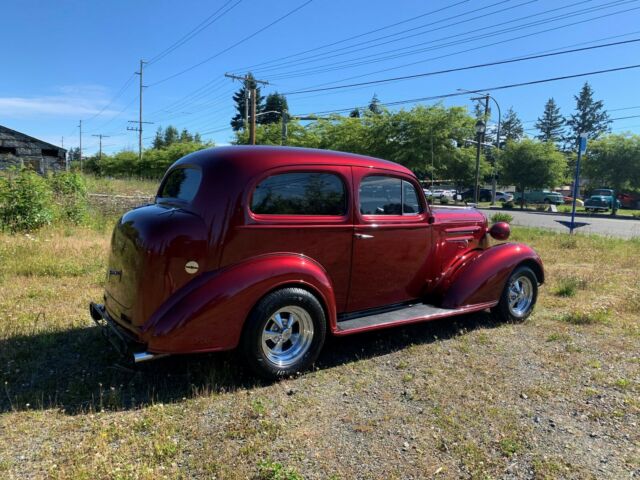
x=518 y=297
x=284 y=333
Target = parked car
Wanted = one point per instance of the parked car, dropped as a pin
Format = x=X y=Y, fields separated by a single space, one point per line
x=268 y=250
x=484 y=195
x=601 y=203
x=569 y=201
x=602 y=199
x=629 y=200
x=539 y=196
x=503 y=197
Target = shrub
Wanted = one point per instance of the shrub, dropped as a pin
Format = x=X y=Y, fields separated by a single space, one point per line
x=25 y=202
x=70 y=193
x=501 y=217
x=508 y=205
x=568 y=286
x=587 y=317
x=444 y=200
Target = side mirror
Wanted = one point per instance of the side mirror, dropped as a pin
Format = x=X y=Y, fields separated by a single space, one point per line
x=500 y=231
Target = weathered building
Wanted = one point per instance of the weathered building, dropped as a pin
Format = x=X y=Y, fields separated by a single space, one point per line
x=18 y=149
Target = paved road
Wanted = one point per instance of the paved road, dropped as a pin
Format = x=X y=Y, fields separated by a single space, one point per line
x=597 y=225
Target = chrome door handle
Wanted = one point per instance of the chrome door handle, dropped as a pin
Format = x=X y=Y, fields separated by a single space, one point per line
x=364 y=236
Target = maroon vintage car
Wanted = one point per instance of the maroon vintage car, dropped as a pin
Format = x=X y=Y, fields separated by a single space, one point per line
x=270 y=249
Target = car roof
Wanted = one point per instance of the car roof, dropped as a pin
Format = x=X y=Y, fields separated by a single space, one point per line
x=267 y=157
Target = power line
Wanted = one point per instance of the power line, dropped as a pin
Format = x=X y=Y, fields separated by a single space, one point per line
x=195 y=31
x=404 y=51
x=468 y=67
x=115 y=97
x=488 y=89
x=360 y=35
x=239 y=42
x=473 y=48
x=326 y=55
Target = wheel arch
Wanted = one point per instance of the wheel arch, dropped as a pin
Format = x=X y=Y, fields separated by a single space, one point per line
x=481 y=278
x=210 y=313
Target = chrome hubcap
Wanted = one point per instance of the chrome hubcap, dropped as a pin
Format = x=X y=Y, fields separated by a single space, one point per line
x=520 y=296
x=287 y=335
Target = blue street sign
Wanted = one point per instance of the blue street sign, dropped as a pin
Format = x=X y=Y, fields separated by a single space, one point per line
x=583 y=144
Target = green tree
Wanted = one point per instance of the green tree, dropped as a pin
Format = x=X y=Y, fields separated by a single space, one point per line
x=551 y=124
x=274 y=103
x=185 y=136
x=532 y=164
x=511 y=128
x=241 y=98
x=460 y=167
x=170 y=136
x=158 y=139
x=590 y=117
x=374 y=105
x=614 y=161
x=355 y=113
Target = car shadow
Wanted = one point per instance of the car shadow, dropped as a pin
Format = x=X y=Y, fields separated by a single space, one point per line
x=77 y=371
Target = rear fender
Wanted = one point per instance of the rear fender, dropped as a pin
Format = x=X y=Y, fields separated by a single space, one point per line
x=480 y=278
x=208 y=313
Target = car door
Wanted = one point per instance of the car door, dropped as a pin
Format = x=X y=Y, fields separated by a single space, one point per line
x=392 y=240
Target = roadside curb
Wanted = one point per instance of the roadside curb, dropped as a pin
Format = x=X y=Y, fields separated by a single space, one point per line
x=581 y=215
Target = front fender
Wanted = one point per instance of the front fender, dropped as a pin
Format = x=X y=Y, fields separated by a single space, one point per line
x=480 y=278
x=208 y=313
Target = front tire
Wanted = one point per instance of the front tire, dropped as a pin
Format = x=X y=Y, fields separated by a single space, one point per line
x=518 y=297
x=284 y=333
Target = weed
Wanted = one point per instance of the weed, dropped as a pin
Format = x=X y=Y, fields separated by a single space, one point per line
x=623 y=383
x=501 y=217
x=509 y=447
x=569 y=242
x=268 y=470
x=555 y=337
x=568 y=286
x=587 y=316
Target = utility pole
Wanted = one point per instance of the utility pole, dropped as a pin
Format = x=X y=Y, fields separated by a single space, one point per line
x=80 y=126
x=100 y=136
x=139 y=121
x=486 y=98
x=249 y=86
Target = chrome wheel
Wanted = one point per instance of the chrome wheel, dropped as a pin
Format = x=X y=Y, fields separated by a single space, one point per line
x=520 y=296
x=287 y=335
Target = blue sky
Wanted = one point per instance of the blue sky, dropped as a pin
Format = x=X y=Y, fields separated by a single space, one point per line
x=66 y=60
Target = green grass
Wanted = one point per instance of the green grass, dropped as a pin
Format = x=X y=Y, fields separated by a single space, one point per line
x=451 y=390
x=122 y=186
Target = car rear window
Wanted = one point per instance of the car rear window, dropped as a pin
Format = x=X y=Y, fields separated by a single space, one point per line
x=181 y=184
x=304 y=193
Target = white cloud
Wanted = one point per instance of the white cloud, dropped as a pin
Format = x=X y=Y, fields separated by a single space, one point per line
x=76 y=101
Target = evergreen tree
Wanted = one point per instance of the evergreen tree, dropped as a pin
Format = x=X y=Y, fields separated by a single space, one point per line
x=551 y=123
x=185 y=136
x=590 y=117
x=274 y=103
x=511 y=128
x=355 y=113
x=197 y=138
x=241 y=97
x=374 y=105
x=158 y=140
x=170 y=135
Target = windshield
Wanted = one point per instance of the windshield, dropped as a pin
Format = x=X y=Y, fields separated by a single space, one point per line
x=181 y=184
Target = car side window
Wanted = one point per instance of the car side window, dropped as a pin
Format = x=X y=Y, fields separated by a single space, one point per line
x=304 y=193
x=383 y=195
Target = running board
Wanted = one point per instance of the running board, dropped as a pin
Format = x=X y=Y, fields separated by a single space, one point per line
x=411 y=314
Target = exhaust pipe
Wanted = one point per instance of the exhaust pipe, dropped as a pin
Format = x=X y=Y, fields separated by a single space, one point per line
x=140 y=357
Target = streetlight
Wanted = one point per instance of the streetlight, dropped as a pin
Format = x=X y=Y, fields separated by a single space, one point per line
x=486 y=96
x=480 y=128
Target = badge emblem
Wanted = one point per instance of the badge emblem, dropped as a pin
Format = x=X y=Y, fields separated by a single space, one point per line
x=191 y=267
